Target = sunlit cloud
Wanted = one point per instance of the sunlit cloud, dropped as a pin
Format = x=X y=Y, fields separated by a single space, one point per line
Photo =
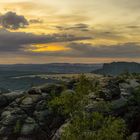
x=47 y=48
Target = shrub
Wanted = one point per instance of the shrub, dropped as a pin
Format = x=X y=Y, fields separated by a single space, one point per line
x=71 y=101
x=65 y=104
x=94 y=127
x=17 y=127
x=84 y=86
x=136 y=96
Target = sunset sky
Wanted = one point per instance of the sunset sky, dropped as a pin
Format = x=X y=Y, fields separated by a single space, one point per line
x=75 y=31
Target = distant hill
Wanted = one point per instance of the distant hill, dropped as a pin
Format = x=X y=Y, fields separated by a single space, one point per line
x=51 y=68
x=8 y=72
x=116 y=68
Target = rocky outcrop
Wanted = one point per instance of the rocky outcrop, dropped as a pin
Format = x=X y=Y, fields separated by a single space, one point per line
x=116 y=68
x=59 y=132
x=127 y=86
x=109 y=89
x=26 y=116
x=135 y=136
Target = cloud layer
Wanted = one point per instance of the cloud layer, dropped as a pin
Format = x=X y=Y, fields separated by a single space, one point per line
x=127 y=50
x=13 y=21
x=79 y=27
x=23 y=43
x=18 y=41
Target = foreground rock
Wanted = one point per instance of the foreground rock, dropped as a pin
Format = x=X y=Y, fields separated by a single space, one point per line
x=109 y=89
x=25 y=116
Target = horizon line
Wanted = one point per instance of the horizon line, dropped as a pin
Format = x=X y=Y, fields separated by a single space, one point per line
x=70 y=63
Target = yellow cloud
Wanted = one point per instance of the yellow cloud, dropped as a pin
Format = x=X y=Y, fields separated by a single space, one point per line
x=47 y=48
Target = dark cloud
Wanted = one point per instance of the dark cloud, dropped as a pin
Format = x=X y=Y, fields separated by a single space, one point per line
x=35 y=21
x=17 y=41
x=133 y=27
x=100 y=33
x=120 y=50
x=11 y=20
x=127 y=50
x=129 y=4
x=80 y=26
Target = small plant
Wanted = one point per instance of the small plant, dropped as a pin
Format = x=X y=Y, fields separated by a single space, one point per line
x=84 y=86
x=71 y=101
x=94 y=127
x=65 y=104
x=17 y=127
x=136 y=96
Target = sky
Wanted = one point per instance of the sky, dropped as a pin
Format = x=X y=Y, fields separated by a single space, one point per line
x=69 y=31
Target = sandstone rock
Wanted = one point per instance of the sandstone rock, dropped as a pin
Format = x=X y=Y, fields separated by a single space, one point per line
x=52 y=88
x=68 y=92
x=29 y=127
x=9 y=120
x=28 y=113
x=119 y=103
x=119 y=106
x=5 y=113
x=109 y=90
x=13 y=95
x=135 y=136
x=29 y=102
x=92 y=96
x=34 y=91
x=3 y=101
x=59 y=132
x=41 y=116
x=6 y=131
x=25 y=138
x=38 y=122
x=134 y=83
x=97 y=106
x=128 y=86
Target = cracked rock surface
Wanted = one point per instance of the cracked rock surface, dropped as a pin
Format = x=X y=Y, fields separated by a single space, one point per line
x=25 y=116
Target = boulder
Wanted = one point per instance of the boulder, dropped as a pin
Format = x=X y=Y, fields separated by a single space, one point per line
x=92 y=96
x=68 y=91
x=11 y=96
x=135 y=136
x=29 y=102
x=59 y=132
x=97 y=106
x=29 y=127
x=34 y=90
x=134 y=83
x=128 y=86
x=109 y=90
x=26 y=115
x=49 y=88
x=3 y=101
x=42 y=116
x=119 y=106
